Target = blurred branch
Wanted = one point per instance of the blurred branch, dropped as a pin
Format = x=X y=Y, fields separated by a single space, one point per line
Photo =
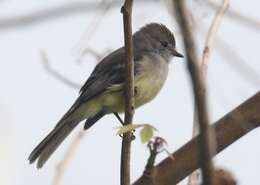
x=234 y=59
x=55 y=74
x=61 y=167
x=92 y=27
x=194 y=177
x=228 y=129
x=126 y=10
x=50 y=13
x=199 y=89
x=211 y=36
x=238 y=16
x=97 y=56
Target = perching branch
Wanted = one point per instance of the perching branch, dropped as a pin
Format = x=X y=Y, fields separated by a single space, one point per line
x=129 y=91
x=211 y=36
x=231 y=127
x=199 y=88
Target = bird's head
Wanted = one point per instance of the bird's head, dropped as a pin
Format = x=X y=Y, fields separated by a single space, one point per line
x=157 y=38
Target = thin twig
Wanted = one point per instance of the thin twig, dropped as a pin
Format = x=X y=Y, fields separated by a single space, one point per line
x=129 y=91
x=229 y=129
x=92 y=27
x=56 y=74
x=211 y=36
x=97 y=55
x=249 y=21
x=61 y=167
x=234 y=59
x=156 y=145
x=199 y=92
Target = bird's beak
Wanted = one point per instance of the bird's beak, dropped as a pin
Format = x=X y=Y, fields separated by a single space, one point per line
x=177 y=54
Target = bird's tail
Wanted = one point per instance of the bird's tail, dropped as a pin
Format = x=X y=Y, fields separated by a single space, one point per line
x=52 y=141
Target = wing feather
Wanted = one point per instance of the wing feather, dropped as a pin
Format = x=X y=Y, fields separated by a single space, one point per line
x=109 y=71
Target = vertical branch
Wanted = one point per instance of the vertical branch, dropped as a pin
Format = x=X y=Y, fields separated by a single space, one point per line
x=199 y=92
x=194 y=178
x=212 y=35
x=129 y=92
x=248 y=21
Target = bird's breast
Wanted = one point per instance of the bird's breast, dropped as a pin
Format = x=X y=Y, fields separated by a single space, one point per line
x=150 y=80
x=151 y=75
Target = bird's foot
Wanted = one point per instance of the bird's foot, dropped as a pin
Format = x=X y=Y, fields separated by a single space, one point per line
x=132 y=136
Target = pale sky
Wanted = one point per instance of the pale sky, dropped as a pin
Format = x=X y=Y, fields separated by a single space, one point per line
x=32 y=101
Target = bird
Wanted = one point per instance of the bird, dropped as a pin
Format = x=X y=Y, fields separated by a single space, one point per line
x=103 y=93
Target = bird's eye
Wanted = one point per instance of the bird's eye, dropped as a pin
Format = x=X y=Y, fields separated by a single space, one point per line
x=164 y=43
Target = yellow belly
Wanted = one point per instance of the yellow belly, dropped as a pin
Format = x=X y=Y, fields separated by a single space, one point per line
x=147 y=85
x=145 y=92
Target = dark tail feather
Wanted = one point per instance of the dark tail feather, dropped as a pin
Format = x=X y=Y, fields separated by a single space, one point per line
x=51 y=142
x=91 y=121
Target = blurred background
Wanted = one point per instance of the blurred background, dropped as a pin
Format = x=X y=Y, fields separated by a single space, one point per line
x=48 y=49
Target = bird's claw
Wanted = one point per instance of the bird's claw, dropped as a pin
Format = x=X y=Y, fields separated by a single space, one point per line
x=132 y=137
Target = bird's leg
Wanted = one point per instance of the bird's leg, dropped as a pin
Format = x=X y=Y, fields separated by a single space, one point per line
x=121 y=121
x=118 y=118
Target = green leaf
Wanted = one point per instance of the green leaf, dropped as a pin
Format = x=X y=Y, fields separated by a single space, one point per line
x=146 y=133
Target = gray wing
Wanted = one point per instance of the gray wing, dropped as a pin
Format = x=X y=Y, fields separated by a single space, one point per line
x=108 y=72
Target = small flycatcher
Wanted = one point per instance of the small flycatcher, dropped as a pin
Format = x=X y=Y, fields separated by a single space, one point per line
x=103 y=92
